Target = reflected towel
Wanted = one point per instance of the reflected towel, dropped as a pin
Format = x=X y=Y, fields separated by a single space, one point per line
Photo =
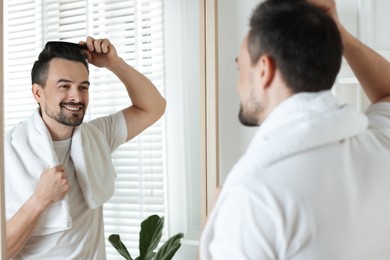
x=29 y=152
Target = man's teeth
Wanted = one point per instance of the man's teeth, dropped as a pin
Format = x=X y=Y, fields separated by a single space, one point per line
x=73 y=108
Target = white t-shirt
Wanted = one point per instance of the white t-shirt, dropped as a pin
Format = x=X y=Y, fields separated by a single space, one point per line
x=329 y=203
x=85 y=240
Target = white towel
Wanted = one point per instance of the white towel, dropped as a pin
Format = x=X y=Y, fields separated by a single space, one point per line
x=29 y=151
x=305 y=121
x=302 y=122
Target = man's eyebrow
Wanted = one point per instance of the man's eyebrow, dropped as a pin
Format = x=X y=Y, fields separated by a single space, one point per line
x=69 y=81
x=85 y=82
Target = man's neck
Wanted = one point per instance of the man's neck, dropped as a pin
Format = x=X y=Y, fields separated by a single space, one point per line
x=58 y=131
x=60 y=135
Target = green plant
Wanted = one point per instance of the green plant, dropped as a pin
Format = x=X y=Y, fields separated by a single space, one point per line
x=149 y=237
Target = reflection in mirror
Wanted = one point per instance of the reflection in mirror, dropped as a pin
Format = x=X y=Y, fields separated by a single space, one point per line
x=158 y=171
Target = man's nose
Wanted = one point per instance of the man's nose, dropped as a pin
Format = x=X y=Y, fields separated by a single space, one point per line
x=74 y=95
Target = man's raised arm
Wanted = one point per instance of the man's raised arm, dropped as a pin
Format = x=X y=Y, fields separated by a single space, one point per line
x=147 y=103
x=371 y=69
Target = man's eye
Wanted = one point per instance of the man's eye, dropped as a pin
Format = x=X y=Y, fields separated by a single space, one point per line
x=84 y=88
x=65 y=86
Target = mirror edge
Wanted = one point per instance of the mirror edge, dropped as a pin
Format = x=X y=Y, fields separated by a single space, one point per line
x=2 y=210
x=209 y=104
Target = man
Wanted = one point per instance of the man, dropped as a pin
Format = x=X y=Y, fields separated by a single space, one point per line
x=314 y=182
x=58 y=169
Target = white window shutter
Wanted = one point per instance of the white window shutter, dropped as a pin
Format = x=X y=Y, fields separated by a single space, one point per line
x=22 y=31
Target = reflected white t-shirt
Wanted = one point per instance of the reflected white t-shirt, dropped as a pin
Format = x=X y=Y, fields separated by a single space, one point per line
x=85 y=240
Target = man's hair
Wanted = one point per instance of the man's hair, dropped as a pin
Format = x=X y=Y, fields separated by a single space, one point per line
x=54 y=49
x=303 y=41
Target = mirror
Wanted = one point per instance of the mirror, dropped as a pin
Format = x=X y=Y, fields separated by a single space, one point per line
x=185 y=59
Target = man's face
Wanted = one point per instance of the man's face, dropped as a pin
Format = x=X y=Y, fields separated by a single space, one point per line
x=250 y=107
x=64 y=98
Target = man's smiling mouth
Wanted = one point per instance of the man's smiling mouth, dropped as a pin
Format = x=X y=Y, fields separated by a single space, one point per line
x=73 y=107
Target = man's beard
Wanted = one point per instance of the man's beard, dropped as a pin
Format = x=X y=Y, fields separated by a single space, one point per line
x=250 y=113
x=62 y=118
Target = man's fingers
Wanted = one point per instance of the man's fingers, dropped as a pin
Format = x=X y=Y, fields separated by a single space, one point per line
x=104 y=45
x=90 y=41
x=97 y=46
x=59 y=167
x=101 y=45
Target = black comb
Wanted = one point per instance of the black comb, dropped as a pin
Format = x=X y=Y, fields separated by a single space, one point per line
x=80 y=46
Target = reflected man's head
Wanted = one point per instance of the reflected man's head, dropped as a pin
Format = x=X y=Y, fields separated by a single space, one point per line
x=60 y=83
x=56 y=49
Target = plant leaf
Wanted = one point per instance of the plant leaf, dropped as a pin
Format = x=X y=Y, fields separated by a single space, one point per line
x=151 y=255
x=149 y=236
x=115 y=240
x=169 y=248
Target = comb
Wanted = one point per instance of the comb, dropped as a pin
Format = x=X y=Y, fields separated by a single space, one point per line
x=80 y=46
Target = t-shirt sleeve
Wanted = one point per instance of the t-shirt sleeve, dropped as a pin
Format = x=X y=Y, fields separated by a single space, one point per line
x=379 y=115
x=113 y=127
x=379 y=120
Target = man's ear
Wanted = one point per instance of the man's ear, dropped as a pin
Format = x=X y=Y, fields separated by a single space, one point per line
x=37 y=92
x=266 y=69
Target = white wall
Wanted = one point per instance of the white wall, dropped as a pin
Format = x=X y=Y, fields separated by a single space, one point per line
x=233 y=20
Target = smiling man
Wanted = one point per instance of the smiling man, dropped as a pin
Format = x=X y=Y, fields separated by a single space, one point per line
x=58 y=170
